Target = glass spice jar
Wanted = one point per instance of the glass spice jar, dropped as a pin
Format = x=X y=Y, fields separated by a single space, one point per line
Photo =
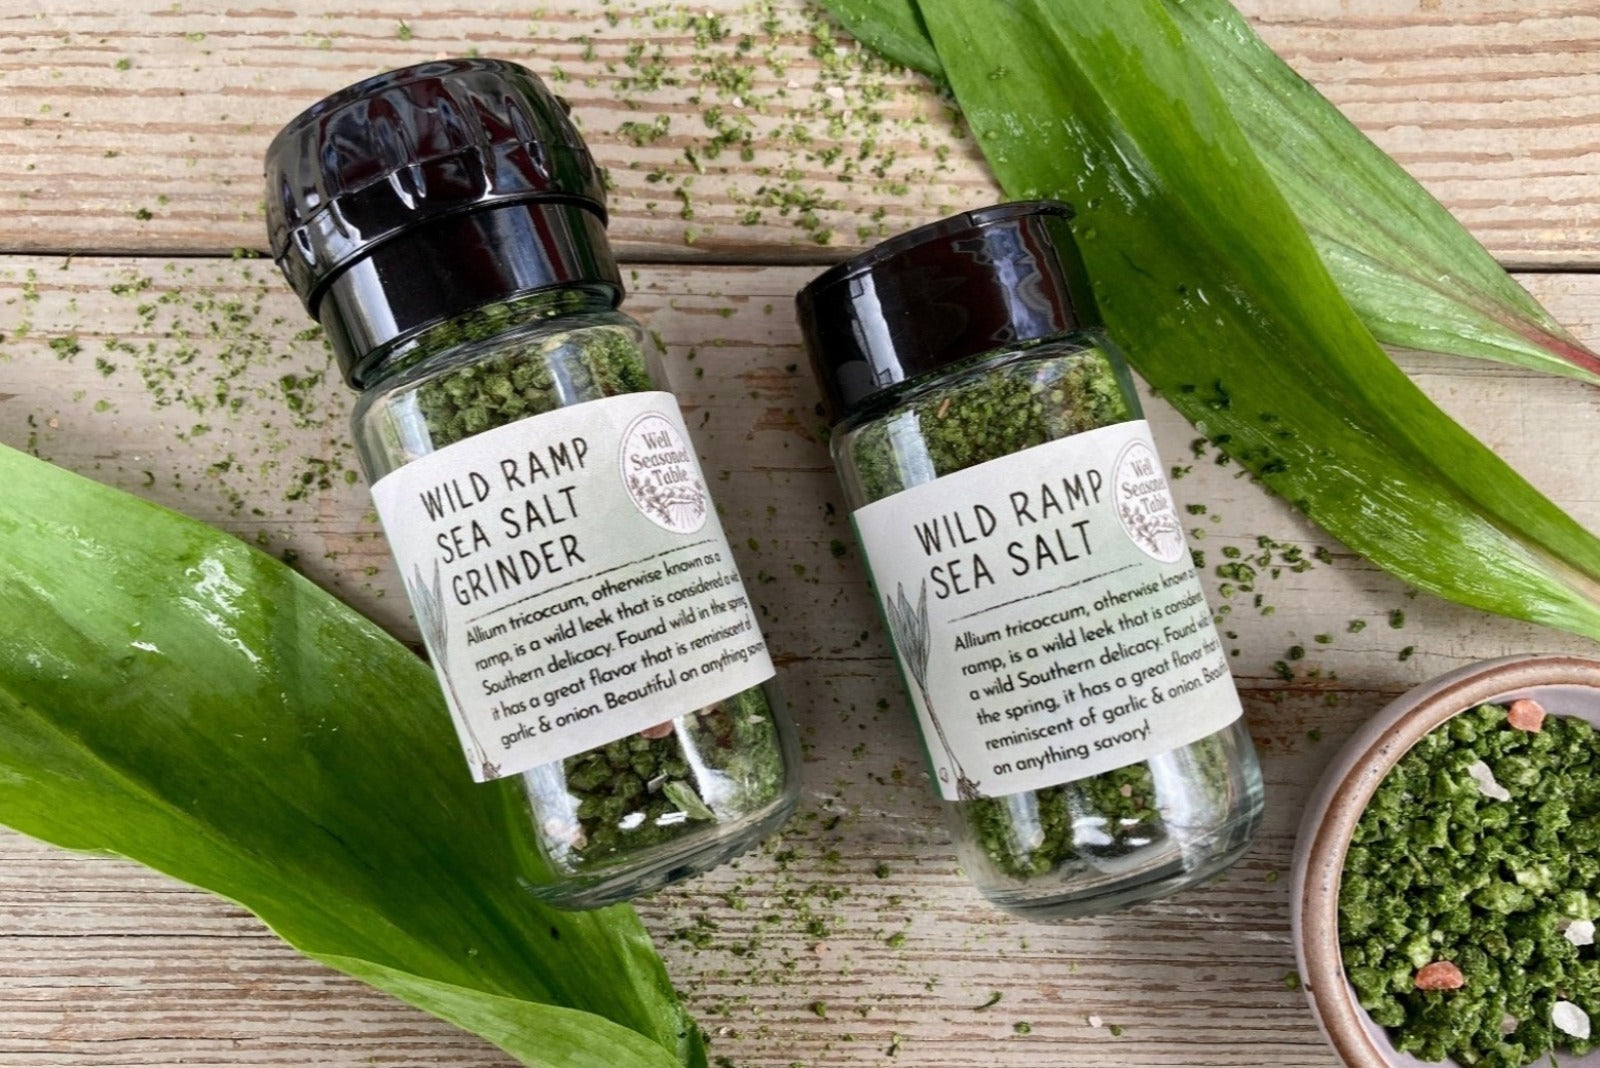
x=597 y=650
x=1075 y=701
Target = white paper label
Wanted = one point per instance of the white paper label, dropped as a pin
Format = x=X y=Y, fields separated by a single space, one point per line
x=571 y=580
x=1047 y=616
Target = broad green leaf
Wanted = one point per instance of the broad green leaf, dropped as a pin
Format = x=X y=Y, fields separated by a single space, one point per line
x=1220 y=299
x=1410 y=270
x=892 y=28
x=1413 y=273
x=170 y=695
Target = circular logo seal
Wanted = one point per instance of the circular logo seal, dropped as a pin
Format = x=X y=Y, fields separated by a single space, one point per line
x=1144 y=504
x=662 y=475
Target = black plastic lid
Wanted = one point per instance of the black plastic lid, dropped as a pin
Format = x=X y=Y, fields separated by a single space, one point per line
x=418 y=194
x=940 y=294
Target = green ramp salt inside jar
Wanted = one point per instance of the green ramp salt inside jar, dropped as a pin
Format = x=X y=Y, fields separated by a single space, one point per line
x=1074 y=699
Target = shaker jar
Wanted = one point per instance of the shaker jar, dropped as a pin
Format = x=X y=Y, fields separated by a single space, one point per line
x=1074 y=700
x=542 y=497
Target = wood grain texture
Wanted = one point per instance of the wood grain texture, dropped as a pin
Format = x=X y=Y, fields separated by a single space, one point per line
x=850 y=940
x=140 y=126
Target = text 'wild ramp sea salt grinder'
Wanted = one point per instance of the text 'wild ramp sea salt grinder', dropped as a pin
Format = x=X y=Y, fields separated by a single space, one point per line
x=596 y=647
x=1075 y=702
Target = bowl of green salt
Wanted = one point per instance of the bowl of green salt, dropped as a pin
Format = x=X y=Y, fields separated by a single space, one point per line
x=1446 y=883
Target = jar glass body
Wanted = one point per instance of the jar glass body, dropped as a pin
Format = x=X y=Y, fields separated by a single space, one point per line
x=1110 y=839
x=655 y=806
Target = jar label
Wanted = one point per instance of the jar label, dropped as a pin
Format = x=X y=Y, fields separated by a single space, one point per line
x=571 y=580
x=1047 y=616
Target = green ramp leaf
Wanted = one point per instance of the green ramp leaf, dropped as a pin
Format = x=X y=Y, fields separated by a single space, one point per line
x=1205 y=275
x=1416 y=277
x=170 y=695
x=1412 y=272
x=893 y=28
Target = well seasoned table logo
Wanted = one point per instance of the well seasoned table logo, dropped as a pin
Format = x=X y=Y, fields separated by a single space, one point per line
x=1145 y=506
x=662 y=475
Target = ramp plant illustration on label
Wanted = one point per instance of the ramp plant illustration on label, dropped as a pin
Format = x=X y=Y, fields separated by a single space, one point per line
x=1074 y=698
x=540 y=492
x=909 y=628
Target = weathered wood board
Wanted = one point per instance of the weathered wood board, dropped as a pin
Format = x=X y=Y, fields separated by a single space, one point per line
x=735 y=133
x=733 y=129
x=188 y=382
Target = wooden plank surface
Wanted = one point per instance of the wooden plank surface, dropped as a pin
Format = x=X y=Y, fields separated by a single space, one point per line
x=140 y=126
x=734 y=132
x=184 y=380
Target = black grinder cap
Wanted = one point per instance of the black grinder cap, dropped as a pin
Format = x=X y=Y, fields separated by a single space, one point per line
x=418 y=194
x=943 y=293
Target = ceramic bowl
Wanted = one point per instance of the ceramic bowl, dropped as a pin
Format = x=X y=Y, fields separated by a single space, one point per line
x=1564 y=685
